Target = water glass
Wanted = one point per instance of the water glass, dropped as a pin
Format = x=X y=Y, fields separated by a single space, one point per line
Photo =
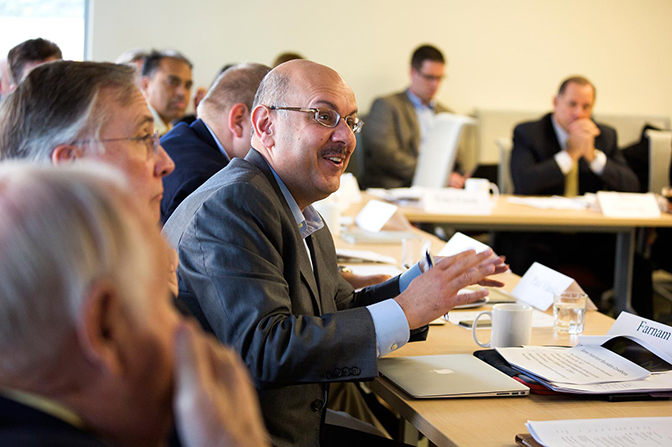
x=569 y=312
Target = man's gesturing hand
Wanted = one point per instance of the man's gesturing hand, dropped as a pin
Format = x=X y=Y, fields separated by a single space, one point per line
x=434 y=293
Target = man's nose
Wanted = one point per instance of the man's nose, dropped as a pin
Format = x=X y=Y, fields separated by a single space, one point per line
x=164 y=164
x=344 y=134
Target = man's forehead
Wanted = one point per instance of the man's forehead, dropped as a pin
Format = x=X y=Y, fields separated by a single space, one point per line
x=576 y=89
x=171 y=65
x=132 y=113
x=323 y=87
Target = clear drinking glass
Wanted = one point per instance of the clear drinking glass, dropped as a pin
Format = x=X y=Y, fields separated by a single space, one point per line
x=569 y=312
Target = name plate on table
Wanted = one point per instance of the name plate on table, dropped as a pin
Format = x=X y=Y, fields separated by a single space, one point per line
x=457 y=201
x=375 y=215
x=539 y=283
x=460 y=243
x=622 y=204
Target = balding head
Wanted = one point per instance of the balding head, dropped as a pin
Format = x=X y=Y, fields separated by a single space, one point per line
x=296 y=130
x=296 y=77
x=227 y=105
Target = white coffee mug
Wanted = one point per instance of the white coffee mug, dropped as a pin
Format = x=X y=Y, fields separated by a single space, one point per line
x=482 y=185
x=511 y=325
x=331 y=215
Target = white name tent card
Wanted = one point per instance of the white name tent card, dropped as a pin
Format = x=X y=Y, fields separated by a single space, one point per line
x=460 y=243
x=539 y=283
x=457 y=201
x=656 y=334
x=375 y=215
x=622 y=204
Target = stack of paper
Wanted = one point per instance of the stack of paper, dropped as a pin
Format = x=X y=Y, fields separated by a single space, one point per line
x=617 y=363
x=643 y=432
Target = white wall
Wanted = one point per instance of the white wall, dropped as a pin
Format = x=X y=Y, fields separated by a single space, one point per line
x=501 y=53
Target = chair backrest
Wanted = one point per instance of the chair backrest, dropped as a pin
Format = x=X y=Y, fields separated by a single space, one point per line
x=437 y=154
x=505 y=182
x=660 y=157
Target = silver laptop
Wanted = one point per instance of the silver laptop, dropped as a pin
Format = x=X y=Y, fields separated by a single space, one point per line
x=442 y=376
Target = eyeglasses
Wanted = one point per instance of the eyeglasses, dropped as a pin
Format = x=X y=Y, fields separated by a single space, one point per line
x=326 y=117
x=431 y=78
x=151 y=142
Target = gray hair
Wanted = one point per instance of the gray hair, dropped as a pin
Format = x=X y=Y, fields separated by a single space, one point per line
x=59 y=103
x=61 y=230
x=131 y=56
x=237 y=84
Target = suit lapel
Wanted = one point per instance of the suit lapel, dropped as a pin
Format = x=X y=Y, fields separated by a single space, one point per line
x=552 y=145
x=412 y=120
x=305 y=267
x=312 y=277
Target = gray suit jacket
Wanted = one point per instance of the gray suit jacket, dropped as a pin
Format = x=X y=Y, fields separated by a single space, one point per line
x=391 y=140
x=245 y=273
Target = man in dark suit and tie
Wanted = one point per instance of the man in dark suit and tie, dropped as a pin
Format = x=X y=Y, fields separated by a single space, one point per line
x=222 y=132
x=258 y=265
x=567 y=153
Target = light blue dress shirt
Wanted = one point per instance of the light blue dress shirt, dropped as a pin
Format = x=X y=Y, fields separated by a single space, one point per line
x=389 y=320
x=425 y=114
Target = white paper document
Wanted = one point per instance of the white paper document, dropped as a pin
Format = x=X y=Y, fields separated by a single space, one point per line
x=397 y=194
x=581 y=365
x=623 y=362
x=539 y=319
x=551 y=203
x=363 y=256
x=374 y=269
x=617 y=432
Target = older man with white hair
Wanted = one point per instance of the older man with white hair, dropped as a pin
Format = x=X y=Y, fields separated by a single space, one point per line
x=92 y=351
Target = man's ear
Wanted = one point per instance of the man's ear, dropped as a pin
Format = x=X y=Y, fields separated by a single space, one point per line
x=101 y=330
x=555 y=101
x=65 y=153
x=237 y=115
x=263 y=126
x=144 y=83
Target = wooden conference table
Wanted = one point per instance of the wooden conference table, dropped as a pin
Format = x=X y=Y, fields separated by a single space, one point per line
x=514 y=217
x=495 y=421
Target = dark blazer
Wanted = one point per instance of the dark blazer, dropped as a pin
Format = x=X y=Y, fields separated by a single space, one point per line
x=22 y=426
x=245 y=273
x=391 y=140
x=196 y=157
x=535 y=172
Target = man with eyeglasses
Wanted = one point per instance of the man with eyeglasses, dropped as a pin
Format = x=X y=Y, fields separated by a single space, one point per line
x=397 y=125
x=65 y=111
x=166 y=83
x=258 y=265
